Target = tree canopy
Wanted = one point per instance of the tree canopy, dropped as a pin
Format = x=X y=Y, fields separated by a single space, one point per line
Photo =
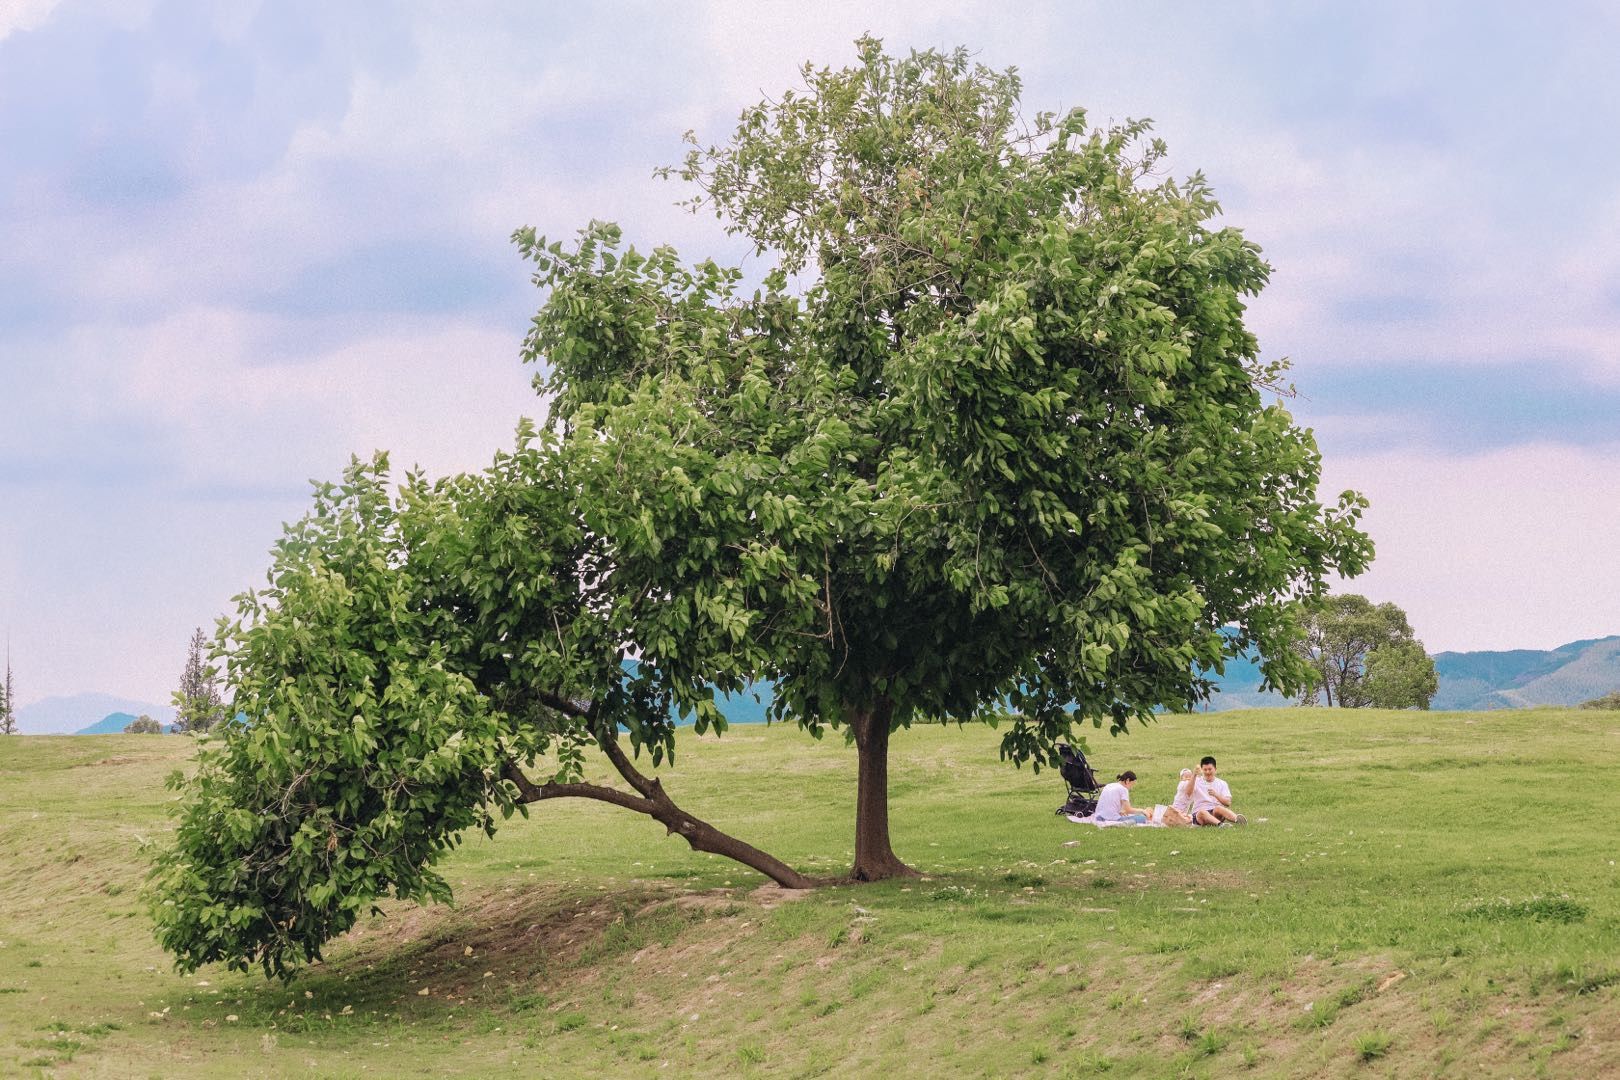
x=1365 y=655
x=989 y=441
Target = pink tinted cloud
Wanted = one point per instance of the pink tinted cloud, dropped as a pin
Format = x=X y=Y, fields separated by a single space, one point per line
x=1511 y=549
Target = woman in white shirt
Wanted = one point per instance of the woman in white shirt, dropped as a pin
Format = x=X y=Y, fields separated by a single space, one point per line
x=1114 y=804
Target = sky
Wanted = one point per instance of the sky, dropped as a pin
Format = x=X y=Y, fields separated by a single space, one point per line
x=244 y=241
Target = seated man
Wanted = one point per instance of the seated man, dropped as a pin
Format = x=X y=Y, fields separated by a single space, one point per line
x=1212 y=798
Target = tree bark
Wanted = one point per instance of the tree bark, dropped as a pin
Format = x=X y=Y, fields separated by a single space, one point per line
x=656 y=804
x=875 y=859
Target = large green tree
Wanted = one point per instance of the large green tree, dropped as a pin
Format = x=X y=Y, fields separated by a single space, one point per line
x=1365 y=655
x=1009 y=445
x=990 y=440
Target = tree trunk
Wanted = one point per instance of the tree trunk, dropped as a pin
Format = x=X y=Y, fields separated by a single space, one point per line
x=875 y=860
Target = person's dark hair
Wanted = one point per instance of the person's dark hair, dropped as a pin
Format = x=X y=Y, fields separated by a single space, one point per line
x=1206 y=760
x=1126 y=775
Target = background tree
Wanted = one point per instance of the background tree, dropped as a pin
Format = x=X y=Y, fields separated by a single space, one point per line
x=1007 y=444
x=1400 y=675
x=1610 y=700
x=197 y=704
x=8 y=708
x=1362 y=654
x=143 y=725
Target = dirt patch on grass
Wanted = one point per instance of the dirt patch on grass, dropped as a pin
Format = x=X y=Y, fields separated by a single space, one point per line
x=770 y=895
x=1580 y=1038
x=714 y=900
x=549 y=921
x=525 y=937
x=1163 y=880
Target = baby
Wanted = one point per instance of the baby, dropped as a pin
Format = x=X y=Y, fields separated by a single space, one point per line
x=1179 y=812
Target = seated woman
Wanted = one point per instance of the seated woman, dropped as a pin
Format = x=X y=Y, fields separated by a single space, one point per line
x=1114 y=804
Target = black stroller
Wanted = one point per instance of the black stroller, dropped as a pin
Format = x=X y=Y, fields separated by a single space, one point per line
x=1083 y=786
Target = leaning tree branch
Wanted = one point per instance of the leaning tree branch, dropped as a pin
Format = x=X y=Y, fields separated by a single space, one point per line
x=656 y=804
x=532 y=792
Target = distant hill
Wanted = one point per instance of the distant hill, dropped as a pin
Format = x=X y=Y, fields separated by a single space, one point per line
x=111 y=724
x=1239 y=688
x=1567 y=675
x=115 y=723
x=70 y=715
x=1514 y=679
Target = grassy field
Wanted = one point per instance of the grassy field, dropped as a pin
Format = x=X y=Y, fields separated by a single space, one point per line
x=1416 y=895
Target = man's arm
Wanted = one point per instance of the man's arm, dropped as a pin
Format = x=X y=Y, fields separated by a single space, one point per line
x=1225 y=799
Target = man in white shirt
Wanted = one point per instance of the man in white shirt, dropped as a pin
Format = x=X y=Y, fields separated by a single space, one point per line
x=1212 y=798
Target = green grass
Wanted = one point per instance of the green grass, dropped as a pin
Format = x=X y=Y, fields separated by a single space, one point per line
x=1395 y=913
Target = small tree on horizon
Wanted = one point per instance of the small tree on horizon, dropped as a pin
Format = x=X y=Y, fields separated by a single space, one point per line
x=198 y=705
x=143 y=725
x=8 y=710
x=7 y=698
x=1364 y=655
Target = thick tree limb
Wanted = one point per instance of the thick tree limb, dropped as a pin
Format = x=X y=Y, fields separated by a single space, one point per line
x=656 y=804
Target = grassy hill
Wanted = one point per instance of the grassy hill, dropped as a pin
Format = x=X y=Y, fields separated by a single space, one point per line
x=1419 y=894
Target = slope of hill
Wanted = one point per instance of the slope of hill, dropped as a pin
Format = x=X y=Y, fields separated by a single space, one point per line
x=1238 y=687
x=69 y=715
x=1511 y=679
x=1567 y=675
x=115 y=723
x=111 y=724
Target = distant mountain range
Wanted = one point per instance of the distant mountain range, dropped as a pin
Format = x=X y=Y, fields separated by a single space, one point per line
x=115 y=723
x=79 y=713
x=1567 y=675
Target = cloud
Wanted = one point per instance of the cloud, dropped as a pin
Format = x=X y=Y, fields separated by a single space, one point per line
x=1505 y=549
x=1457 y=407
x=188 y=401
x=160 y=460
x=244 y=241
x=17 y=16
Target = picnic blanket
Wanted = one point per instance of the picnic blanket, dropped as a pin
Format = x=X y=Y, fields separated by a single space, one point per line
x=1116 y=824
